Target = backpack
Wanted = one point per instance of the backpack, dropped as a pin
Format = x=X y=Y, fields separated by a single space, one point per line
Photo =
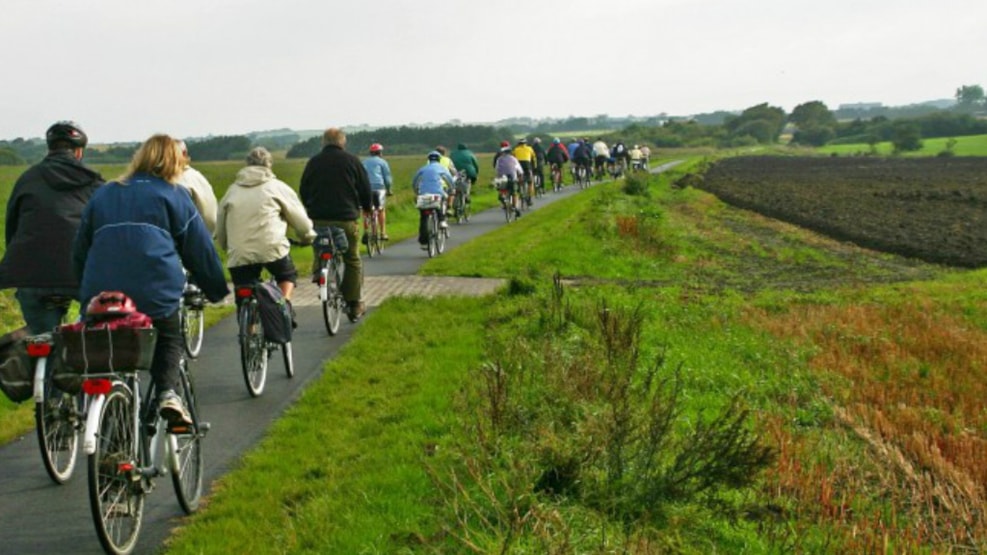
x=16 y=367
x=275 y=315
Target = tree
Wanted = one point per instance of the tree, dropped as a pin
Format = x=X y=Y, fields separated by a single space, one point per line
x=970 y=97
x=906 y=136
x=762 y=122
x=812 y=114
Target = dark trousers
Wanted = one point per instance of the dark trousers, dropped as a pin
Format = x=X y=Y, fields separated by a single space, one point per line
x=167 y=353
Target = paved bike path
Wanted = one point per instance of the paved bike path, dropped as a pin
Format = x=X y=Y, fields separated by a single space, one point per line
x=37 y=516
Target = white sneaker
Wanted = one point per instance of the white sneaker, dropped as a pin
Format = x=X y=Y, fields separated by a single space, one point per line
x=172 y=409
x=444 y=224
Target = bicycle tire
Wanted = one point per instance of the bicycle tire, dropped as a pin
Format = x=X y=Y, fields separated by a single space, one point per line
x=443 y=235
x=253 y=348
x=289 y=360
x=186 y=461
x=55 y=420
x=332 y=308
x=193 y=330
x=116 y=499
x=368 y=234
x=377 y=241
x=432 y=226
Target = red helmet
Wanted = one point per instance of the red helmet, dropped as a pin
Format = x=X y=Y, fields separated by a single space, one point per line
x=376 y=147
x=109 y=304
x=504 y=143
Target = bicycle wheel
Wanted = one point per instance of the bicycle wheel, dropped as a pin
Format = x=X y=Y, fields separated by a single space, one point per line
x=186 y=465
x=377 y=240
x=440 y=239
x=332 y=307
x=289 y=361
x=369 y=233
x=431 y=227
x=459 y=207
x=193 y=329
x=57 y=425
x=116 y=495
x=253 y=348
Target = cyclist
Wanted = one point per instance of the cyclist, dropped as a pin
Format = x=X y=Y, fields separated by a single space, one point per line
x=379 y=173
x=646 y=153
x=636 y=157
x=449 y=165
x=509 y=167
x=571 y=147
x=335 y=189
x=620 y=156
x=252 y=225
x=503 y=145
x=526 y=156
x=583 y=157
x=557 y=156
x=601 y=155
x=136 y=235
x=43 y=214
x=432 y=179
x=539 y=167
x=466 y=161
x=200 y=189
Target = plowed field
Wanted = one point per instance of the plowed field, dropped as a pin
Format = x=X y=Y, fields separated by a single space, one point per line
x=933 y=209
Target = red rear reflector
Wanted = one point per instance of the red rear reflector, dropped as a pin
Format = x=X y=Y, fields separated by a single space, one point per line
x=326 y=255
x=125 y=467
x=38 y=350
x=97 y=386
x=244 y=292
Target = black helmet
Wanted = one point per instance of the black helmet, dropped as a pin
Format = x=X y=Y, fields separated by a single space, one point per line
x=68 y=132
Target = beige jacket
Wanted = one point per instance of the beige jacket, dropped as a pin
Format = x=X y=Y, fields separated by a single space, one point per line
x=202 y=195
x=254 y=217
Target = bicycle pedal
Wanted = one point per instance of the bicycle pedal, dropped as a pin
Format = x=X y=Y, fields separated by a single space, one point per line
x=204 y=427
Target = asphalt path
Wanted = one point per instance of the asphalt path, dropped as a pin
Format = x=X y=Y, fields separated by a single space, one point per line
x=37 y=516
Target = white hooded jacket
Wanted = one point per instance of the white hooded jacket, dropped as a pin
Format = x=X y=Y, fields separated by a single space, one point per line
x=254 y=216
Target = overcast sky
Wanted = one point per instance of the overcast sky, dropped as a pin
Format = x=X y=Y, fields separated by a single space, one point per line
x=126 y=69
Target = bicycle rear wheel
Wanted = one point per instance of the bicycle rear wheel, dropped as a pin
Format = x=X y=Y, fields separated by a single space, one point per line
x=332 y=303
x=433 y=235
x=186 y=461
x=57 y=425
x=253 y=348
x=193 y=330
x=116 y=494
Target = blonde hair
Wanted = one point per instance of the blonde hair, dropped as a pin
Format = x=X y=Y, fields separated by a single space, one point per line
x=159 y=156
x=334 y=136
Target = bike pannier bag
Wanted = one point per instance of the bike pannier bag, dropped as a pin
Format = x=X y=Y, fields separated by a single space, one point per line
x=125 y=343
x=16 y=367
x=275 y=315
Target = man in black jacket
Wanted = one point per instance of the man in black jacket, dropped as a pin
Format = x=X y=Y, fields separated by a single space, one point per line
x=335 y=191
x=43 y=214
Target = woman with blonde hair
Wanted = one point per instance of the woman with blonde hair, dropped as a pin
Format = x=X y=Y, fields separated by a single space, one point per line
x=138 y=235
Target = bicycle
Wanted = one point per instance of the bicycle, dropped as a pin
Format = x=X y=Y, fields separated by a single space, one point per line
x=192 y=318
x=255 y=348
x=582 y=176
x=556 y=176
x=127 y=443
x=460 y=206
x=58 y=414
x=429 y=205
x=505 y=198
x=329 y=253
x=372 y=237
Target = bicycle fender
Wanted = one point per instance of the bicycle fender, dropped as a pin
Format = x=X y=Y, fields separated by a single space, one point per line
x=39 y=379
x=92 y=423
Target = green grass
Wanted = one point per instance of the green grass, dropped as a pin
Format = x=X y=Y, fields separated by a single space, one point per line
x=975 y=145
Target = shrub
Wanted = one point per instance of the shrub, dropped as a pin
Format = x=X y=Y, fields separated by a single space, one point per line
x=636 y=184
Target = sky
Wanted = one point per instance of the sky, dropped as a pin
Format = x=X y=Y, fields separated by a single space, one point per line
x=126 y=69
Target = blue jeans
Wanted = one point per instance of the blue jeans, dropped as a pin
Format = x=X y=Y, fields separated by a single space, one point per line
x=41 y=315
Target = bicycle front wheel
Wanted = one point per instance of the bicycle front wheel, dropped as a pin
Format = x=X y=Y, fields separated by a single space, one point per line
x=186 y=444
x=193 y=330
x=253 y=349
x=116 y=494
x=57 y=425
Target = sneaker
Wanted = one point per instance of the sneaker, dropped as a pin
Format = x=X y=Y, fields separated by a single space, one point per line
x=444 y=224
x=172 y=409
x=385 y=237
x=517 y=213
x=356 y=310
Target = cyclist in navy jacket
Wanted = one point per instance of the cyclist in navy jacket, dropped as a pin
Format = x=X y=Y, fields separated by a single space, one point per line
x=136 y=236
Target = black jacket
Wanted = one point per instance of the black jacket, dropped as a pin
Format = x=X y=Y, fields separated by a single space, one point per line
x=335 y=186
x=43 y=214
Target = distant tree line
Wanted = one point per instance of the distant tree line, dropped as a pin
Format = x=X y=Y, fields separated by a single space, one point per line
x=413 y=140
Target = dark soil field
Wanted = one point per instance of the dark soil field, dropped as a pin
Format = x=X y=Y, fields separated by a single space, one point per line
x=933 y=209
